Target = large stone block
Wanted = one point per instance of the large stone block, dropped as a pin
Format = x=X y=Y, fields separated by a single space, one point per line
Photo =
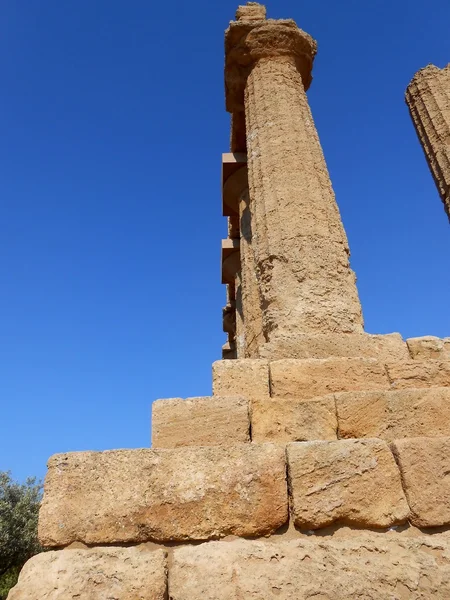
x=343 y=345
x=163 y=495
x=242 y=377
x=94 y=574
x=303 y=379
x=425 y=469
x=394 y=414
x=424 y=348
x=355 y=482
x=369 y=566
x=287 y=420
x=419 y=374
x=216 y=421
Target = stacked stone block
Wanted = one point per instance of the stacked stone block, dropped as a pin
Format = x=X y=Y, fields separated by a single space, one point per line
x=310 y=445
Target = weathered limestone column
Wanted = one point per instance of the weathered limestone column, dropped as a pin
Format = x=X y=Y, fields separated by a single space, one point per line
x=428 y=100
x=301 y=254
x=250 y=338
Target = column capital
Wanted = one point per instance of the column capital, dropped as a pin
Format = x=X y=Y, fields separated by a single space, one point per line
x=248 y=41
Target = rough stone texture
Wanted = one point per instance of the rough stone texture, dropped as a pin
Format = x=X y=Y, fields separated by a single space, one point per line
x=212 y=421
x=251 y=338
x=424 y=348
x=292 y=378
x=428 y=99
x=348 y=481
x=394 y=414
x=301 y=255
x=163 y=495
x=368 y=567
x=325 y=345
x=242 y=377
x=425 y=469
x=419 y=374
x=253 y=11
x=94 y=574
x=286 y=420
x=300 y=249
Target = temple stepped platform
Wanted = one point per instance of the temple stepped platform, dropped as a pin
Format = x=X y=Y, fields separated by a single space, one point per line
x=353 y=481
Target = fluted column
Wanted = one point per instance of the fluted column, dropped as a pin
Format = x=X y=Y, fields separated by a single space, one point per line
x=301 y=253
x=428 y=100
x=250 y=338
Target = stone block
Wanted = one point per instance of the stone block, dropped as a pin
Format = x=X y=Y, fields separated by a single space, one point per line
x=94 y=574
x=368 y=566
x=355 y=482
x=394 y=414
x=242 y=377
x=425 y=467
x=424 y=348
x=132 y=496
x=216 y=421
x=304 y=379
x=341 y=345
x=286 y=420
x=419 y=374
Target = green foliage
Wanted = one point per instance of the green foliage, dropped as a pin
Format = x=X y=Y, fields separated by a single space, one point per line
x=7 y=581
x=19 y=509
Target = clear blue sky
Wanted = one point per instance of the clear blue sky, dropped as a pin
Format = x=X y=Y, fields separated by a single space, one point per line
x=112 y=124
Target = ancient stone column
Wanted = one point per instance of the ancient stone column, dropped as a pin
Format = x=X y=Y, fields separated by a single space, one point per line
x=428 y=100
x=301 y=254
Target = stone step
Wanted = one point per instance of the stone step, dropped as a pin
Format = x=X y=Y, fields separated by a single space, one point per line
x=338 y=345
x=368 y=566
x=394 y=414
x=309 y=378
x=222 y=421
x=303 y=379
x=299 y=379
x=419 y=374
x=424 y=348
x=196 y=494
x=132 y=496
x=216 y=421
x=356 y=564
x=94 y=574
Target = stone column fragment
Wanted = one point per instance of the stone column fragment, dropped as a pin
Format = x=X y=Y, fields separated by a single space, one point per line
x=301 y=254
x=428 y=100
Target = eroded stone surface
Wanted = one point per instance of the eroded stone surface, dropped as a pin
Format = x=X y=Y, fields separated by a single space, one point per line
x=425 y=469
x=419 y=374
x=163 y=495
x=292 y=378
x=252 y=11
x=325 y=345
x=428 y=99
x=368 y=567
x=347 y=481
x=242 y=377
x=286 y=420
x=430 y=346
x=94 y=574
x=394 y=414
x=301 y=256
x=216 y=421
